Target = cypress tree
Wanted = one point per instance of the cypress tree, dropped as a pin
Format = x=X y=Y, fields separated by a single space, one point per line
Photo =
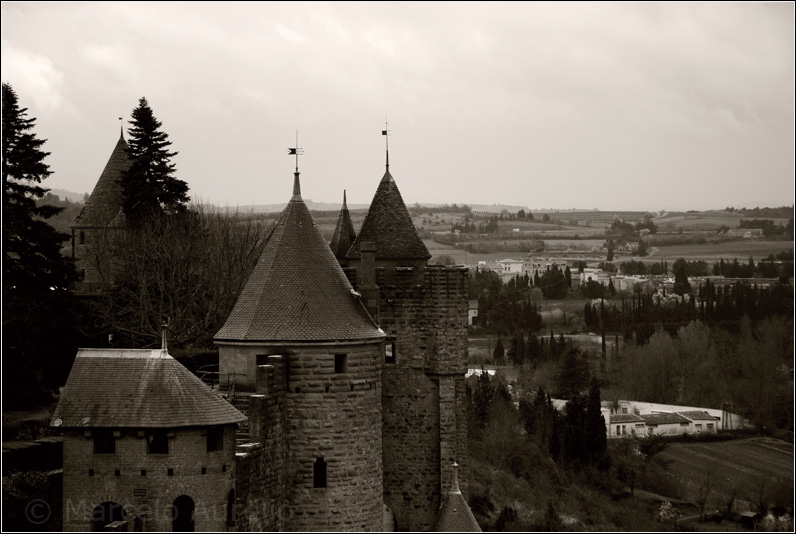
x=595 y=437
x=149 y=187
x=499 y=352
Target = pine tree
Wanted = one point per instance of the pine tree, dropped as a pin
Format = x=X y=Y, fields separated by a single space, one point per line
x=149 y=187
x=35 y=274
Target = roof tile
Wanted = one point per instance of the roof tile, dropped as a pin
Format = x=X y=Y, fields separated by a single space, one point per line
x=389 y=225
x=137 y=388
x=105 y=203
x=297 y=291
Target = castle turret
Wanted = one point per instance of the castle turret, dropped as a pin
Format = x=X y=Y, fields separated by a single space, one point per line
x=423 y=311
x=301 y=342
x=455 y=514
x=344 y=234
x=100 y=218
x=389 y=226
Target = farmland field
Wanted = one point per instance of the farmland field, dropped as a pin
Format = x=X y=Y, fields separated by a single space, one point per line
x=741 y=464
x=712 y=252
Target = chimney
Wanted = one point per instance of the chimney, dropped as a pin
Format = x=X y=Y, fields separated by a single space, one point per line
x=367 y=278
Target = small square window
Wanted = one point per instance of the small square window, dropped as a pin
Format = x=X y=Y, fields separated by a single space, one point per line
x=143 y=472
x=170 y=472
x=389 y=352
x=224 y=468
x=157 y=442
x=215 y=439
x=298 y=389
x=340 y=363
x=204 y=470
x=104 y=442
x=91 y=472
x=117 y=473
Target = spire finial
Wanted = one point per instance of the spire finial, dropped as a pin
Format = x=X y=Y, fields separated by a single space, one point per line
x=296 y=151
x=455 y=485
x=344 y=203
x=164 y=335
x=386 y=133
x=121 y=127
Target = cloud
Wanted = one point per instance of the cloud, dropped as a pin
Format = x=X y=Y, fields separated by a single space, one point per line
x=34 y=76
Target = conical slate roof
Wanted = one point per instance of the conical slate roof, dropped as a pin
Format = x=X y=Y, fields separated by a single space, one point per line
x=297 y=291
x=389 y=225
x=344 y=234
x=137 y=388
x=454 y=514
x=105 y=202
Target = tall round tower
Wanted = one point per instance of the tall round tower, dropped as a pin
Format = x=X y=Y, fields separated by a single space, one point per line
x=299 y=304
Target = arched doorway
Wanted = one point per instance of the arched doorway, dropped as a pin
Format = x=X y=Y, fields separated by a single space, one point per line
x=105 y=513
x=182 y=514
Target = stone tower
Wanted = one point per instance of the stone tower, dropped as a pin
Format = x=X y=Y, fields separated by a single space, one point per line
x=344 y=234
x=98 y=221
x=423 y=311
x=302 y=347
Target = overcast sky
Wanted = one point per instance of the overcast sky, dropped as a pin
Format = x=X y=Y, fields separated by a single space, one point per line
x=545 y=105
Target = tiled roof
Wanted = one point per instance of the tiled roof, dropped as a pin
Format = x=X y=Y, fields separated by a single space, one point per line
x=663 y=418
x=625 y=418
x=389 y=225
x=454 y=514
x=699 y=415
x=343 y=233
x=137 y=388
x=297 y=291
x=105 y=202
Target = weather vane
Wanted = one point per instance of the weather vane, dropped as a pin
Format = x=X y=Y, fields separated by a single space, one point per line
x=386 y=133
x=296 y=151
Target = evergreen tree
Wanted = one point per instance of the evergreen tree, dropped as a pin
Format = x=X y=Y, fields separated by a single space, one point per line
x=573 y=375
x=594 y=435
x=36 y=318
x=519 y=359
x=149 y=187
x=533 y=350
x=499 y=351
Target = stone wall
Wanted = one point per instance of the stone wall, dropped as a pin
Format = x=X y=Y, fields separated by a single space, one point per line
x=262 y=468
x=335 y=416
x=93 y=258
x=142 y=483
x=424 y=311
x=303 y=410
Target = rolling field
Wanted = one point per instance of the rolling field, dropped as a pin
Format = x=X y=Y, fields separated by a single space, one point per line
x=712 y=252
x=740 y=465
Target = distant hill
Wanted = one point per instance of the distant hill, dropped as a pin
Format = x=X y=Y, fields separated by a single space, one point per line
x=71 y=196
x=277 y=208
